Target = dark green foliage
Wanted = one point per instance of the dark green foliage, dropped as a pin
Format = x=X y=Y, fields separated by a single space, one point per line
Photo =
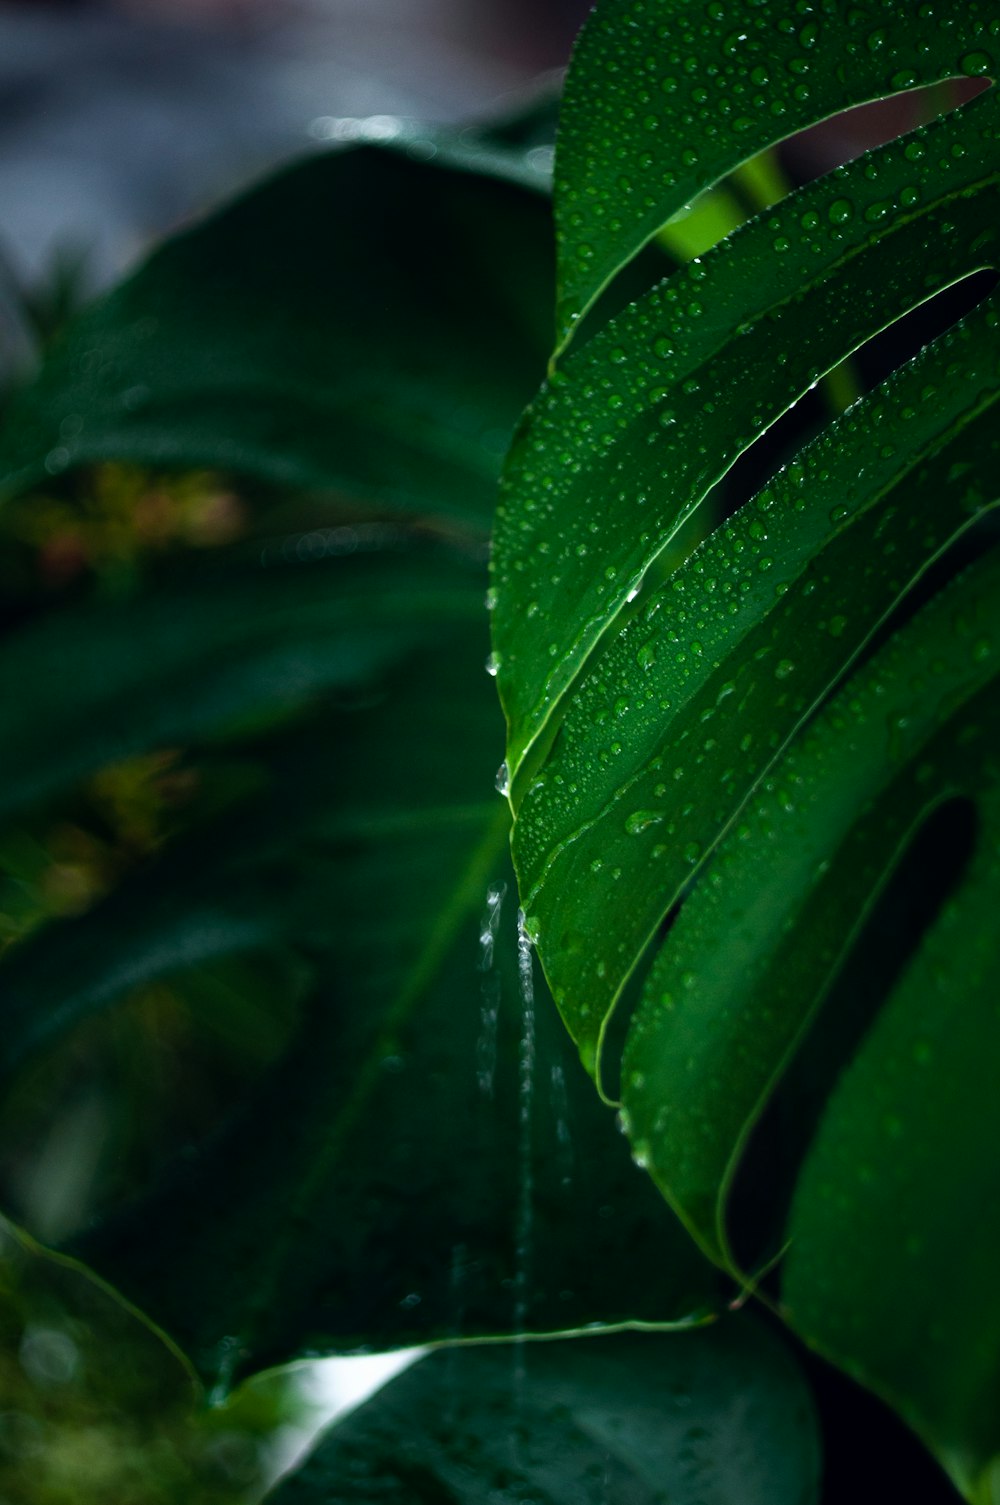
x=316 y=332
x=754 y=783
x=758 y=734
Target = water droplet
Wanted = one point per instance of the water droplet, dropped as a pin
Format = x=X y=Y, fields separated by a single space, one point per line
x=641 y=1154
x=493 y=665
x=975 y=64
x=641 y=820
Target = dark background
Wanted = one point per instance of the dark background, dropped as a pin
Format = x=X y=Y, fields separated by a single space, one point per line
x=120 y=118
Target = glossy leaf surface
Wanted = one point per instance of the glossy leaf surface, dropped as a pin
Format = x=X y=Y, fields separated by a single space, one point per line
x=726 y=768
x=669 y=732
x=664 y=98
x=635 y=428
x=718 y=1416
x=317 y=332
x=888 y=1279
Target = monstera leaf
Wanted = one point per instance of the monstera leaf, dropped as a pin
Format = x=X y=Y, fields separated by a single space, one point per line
x=724 y=771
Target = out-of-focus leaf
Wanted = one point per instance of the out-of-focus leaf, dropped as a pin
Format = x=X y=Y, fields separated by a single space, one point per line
x=318 y=331
x=719 y=1416
x=429 y=1161
x=210 y=650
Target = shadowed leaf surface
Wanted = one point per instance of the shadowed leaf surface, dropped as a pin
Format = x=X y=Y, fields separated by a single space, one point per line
x=361 y=321
x=429 y=1160
x=719 y=1416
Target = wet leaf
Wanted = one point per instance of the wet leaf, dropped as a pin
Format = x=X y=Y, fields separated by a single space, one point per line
x=660 y=104
x=680 y=716
x=722 y=767
x=635 y=428
x=888 y=1247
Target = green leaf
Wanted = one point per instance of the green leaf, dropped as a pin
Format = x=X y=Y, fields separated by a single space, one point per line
x=442 y=1167
x=729 y=762
x=894 y=1226
x=210 y=649
x=315 y=332
x=714 y=1417
x=663 y=100
x=670 y=731
x=634 y=429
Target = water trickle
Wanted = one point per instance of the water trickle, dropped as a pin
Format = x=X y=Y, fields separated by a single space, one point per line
x=524 y=1215
x=456 y=1301
x=486 y=1045
x=457 y=1287
x=564 y=1140
x=225 y=1356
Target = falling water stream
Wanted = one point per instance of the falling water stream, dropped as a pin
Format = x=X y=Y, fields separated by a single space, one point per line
x=564 y=1140
x=486 y=1045
x=524 y=1212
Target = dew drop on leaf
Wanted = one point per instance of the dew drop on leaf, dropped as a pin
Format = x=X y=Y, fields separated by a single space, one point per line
x=975 y=64
x=641 y=820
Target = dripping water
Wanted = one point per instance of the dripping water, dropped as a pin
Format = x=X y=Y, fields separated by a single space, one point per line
x=456 y=1301
x=564 y=1140
x=486 y=1045
x=524 y=1213
x=226 y=1356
